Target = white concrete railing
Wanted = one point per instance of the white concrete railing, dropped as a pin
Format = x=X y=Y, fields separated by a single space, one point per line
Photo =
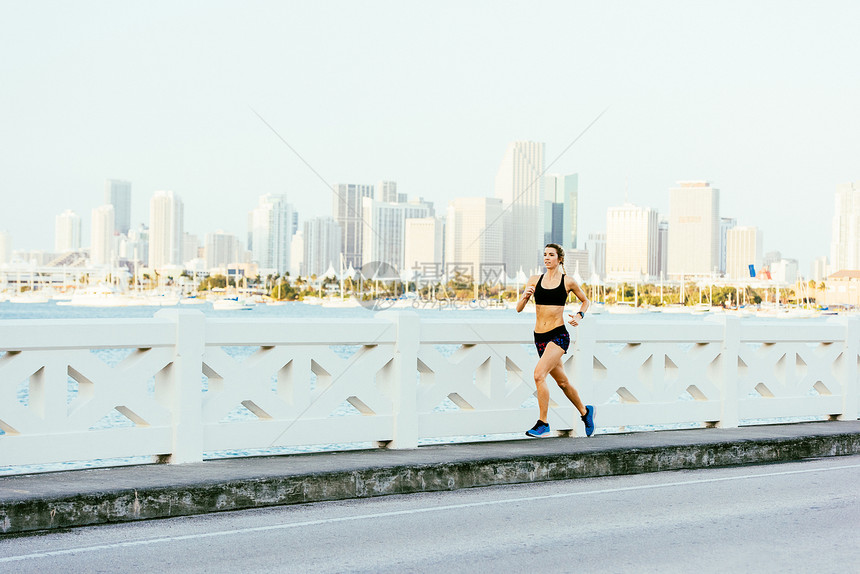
x=295 y=374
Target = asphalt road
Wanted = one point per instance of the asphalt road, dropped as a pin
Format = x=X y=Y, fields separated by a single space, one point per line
x=796 y=517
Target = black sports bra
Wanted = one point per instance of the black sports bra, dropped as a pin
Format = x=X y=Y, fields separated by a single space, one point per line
x=556 y=296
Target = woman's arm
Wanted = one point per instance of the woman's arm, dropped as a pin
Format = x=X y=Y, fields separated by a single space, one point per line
x=527 y=293
x=572 y=285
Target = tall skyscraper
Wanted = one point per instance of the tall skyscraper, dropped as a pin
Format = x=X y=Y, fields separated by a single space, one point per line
x=845 y=243
x=138 y=244
x=424 y=243
x=631 y=243
x=118 y=194
x=560 y=209
x=387 y=191
x=596 y=247
x=520 y=186
x=222 y=249
x=820 y=268
x=726 y=223
x=5 y=247
x=166 y=229
x=384 y=235
x=473 y=235
x=67 y=232
x=272 y=233
x=347 y=211
x=190 y=247
x=322 y=248
x=743 y=248
x=662 y=248
x=102 y=235
x=694 y=218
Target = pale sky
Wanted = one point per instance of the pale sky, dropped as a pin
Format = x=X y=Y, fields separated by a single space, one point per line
x=762 y=99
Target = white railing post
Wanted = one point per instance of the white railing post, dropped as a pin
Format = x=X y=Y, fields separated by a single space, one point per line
x=404 y=378
x=729 y=417
x=851 y=378
x=182 y=387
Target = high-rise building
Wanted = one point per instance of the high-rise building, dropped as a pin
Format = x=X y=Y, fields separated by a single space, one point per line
x=743 y=248
x=560 y=210
x=784 y=271
x=166 y=229
x=694 y=218
x=138 y=245
x=424 y=243
x=631 y=243
x=67 y=232
x=384 y=234
x=845 y=242
x=322 y=248
x=726 y=223
x=272 y=233
x=820 y=269
x=596 y=247
x=386 y=191
x=576 y=263
x=118 y=194
x=347 y=211
x=102 y=235
x=222 y=249
x=190 y=247
x=520 y=186
x=473 y=236
x=297 y=254
x=662 y=248
x=5 y=247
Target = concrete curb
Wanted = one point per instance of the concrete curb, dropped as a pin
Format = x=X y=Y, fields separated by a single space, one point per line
x=27 y=510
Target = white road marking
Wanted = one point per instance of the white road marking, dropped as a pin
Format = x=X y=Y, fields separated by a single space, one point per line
x=87 y=549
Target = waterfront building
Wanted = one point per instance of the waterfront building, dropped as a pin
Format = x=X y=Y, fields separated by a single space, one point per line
x=166 y=229
x=473 y=238
x=67 y=232
x=271 y=233
x=424 y=244
x=596 y=247
x=820 y=269
x=694 y=218
x=322 y=249
x=138 y=244
x=576 y=264
x=662 y=247
x=631 y=243
x=297 y=254
x=743 y=248
x=726 y=223
x=784 y=271
x=520 y=186
x=102 y=235
x=845 y=241
x=222 y=248
x=843 y=288
x=384 y=234
x=421 y=202
x=347 y=211
x=560 y=210
x=190 y=247
x=118 y=194
x=5 y=247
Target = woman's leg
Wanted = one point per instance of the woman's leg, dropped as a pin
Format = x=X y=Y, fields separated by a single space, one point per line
x=551 y=358
x=569 y=390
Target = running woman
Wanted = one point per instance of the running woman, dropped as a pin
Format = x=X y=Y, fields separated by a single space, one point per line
x=551 y=337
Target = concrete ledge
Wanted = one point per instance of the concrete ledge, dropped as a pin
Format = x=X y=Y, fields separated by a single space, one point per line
x=98 y=496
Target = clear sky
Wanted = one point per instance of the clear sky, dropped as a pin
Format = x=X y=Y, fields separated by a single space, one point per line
x=762 y=99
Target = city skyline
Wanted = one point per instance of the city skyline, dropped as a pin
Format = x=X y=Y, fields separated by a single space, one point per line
x=753 y=98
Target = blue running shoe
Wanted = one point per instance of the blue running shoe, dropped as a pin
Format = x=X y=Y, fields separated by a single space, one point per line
x=540 y=429
x=588 y=419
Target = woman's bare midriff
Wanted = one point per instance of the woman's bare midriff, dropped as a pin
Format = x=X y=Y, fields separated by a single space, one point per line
x=548 y=317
